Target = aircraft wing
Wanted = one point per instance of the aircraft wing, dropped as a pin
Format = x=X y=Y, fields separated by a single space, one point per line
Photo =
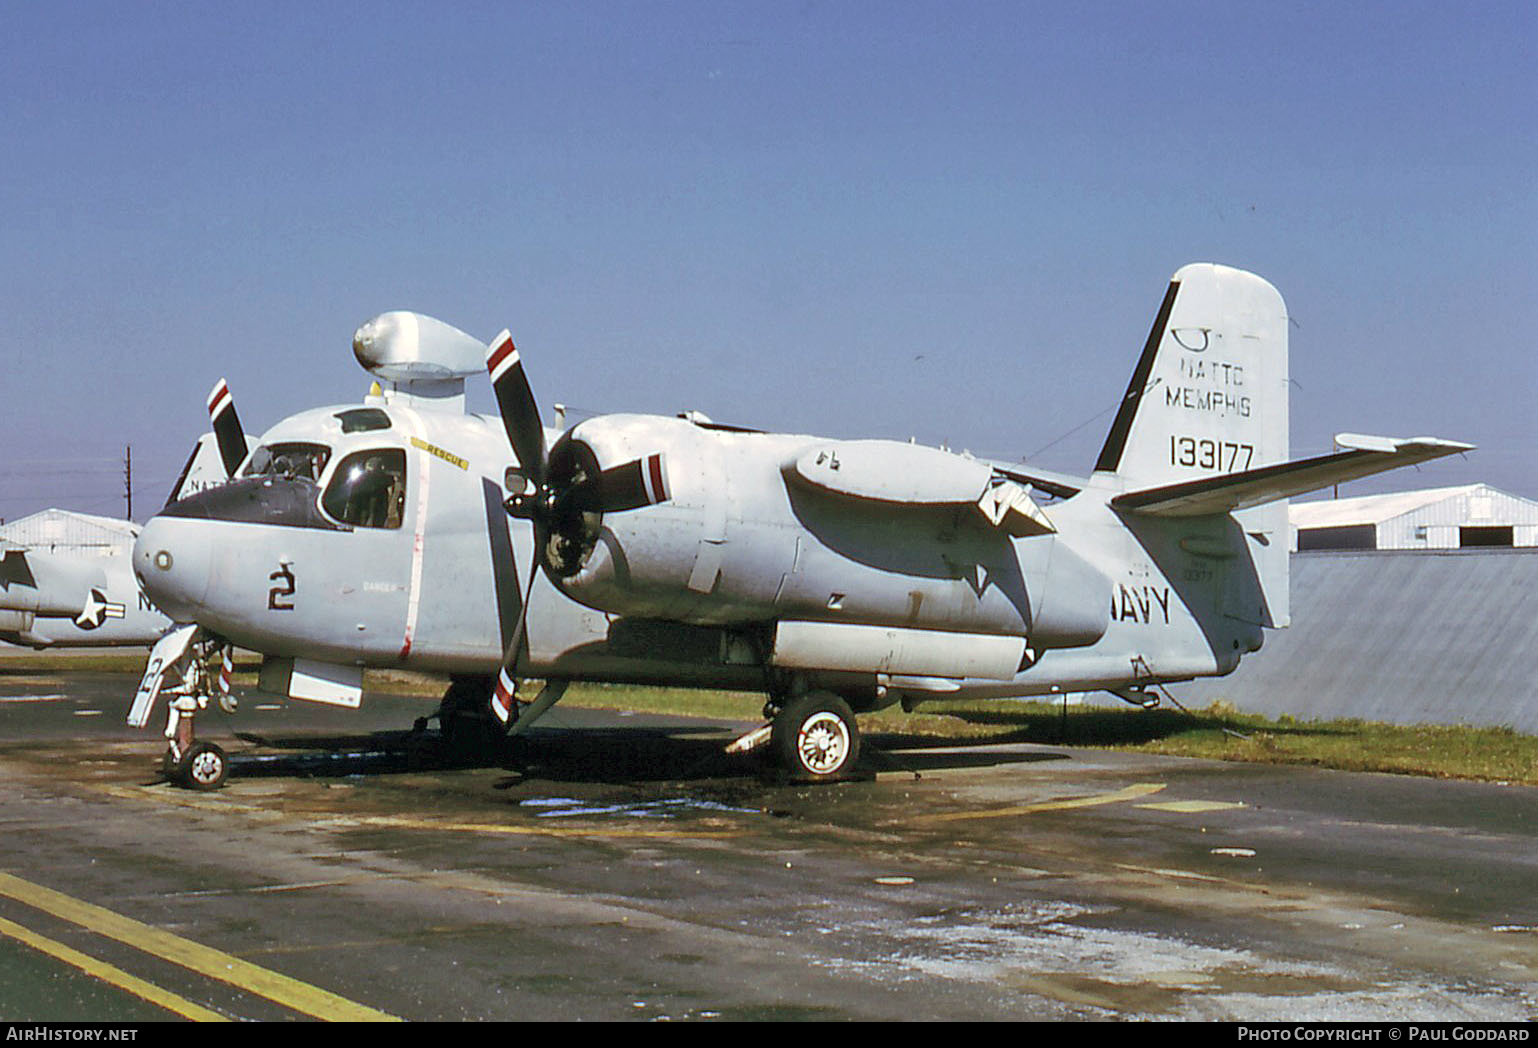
x=897 y=475
x=14 y=566
x=1362 y=456
x=891 y=472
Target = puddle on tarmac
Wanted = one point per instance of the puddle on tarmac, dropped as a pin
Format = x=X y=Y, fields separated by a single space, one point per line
x=567 y=807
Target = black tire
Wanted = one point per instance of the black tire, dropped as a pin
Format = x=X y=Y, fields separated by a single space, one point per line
x=203 y=767
x=815 y=738
x=471 y=734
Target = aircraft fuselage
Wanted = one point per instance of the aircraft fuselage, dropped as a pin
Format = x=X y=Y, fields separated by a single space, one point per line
x=417 y=564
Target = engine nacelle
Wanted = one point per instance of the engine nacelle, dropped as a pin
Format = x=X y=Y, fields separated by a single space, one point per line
x=741 y=538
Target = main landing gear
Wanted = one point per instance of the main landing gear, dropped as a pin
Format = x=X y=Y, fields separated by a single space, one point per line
x=813 y=737
x=471 y=734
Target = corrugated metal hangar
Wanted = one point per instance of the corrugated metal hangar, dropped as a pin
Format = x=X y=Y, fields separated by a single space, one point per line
x=1435 y=518
x=1404 y=637
x=1417 y=607
x=61 y=531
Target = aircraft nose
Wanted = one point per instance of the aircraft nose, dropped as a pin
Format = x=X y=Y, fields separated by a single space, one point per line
x=171 y=559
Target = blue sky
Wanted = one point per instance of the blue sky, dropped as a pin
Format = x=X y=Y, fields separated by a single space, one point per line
x=948 y=221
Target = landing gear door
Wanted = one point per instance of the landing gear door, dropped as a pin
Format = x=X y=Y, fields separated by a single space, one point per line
x=168 y=650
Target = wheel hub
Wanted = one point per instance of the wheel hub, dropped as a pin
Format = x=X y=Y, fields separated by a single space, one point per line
x=206 y=767
x=823 y=743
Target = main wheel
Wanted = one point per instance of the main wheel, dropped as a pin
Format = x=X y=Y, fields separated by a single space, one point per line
x=815 y=737
x=203 y=767
x=471 y=735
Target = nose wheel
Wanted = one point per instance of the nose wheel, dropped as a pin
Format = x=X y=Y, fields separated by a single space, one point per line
x=202 y=766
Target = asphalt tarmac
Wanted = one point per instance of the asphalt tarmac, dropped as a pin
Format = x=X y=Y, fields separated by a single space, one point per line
x=623 y=868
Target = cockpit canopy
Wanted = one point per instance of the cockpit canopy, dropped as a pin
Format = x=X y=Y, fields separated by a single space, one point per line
x=281 y=485
x=296 y=459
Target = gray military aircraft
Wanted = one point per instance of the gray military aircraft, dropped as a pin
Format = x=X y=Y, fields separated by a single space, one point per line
x=64 y=597
x=837 y=576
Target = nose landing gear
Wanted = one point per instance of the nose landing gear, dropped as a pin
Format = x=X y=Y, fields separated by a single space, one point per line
x=186 y=654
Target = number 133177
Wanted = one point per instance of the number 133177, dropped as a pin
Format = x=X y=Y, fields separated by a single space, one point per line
x=1219 y=456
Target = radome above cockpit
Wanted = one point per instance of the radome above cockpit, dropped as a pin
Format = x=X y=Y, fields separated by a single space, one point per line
x=418 y=357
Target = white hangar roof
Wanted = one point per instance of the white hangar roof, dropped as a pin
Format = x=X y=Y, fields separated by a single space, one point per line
x=1378 y=509
x=1431 y=518
x=60 y=529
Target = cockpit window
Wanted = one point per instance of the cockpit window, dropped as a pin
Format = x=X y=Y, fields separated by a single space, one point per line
x=294 y=459
x=368 y=489
x=362 y=420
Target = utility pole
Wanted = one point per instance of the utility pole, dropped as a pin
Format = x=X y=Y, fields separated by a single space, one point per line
x=128 y=478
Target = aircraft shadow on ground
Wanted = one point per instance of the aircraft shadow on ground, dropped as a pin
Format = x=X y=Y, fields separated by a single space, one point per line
x=1042 y=724
x=596 y=755
x=585 y=755
x=650 y=754
x=896 y=753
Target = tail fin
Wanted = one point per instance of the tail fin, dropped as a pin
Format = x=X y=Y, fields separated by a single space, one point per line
x=204 y=469
x=1209 y=395
x=1209 y=398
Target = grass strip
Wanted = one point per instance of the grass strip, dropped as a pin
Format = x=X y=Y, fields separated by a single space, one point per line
x=1218 y=732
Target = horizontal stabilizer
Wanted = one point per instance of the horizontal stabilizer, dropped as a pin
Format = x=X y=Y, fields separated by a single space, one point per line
x=1362 y=457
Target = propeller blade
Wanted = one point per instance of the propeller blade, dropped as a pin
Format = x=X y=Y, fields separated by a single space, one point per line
x=227 y=428
x=515 y=400
x=504 y=692
x=630 y=485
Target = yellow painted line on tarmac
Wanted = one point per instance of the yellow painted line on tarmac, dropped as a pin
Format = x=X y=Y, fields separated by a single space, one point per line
x=1192 y=807
x=504 y=829
x=1184 y=875
x=111 y=974
x=166 y=794
x=276 y=987
x=1130 y=793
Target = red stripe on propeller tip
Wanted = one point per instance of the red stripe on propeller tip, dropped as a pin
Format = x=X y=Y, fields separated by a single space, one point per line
x=219 y=399
x=502 y=697
x=502 y=355
x=656 y=486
